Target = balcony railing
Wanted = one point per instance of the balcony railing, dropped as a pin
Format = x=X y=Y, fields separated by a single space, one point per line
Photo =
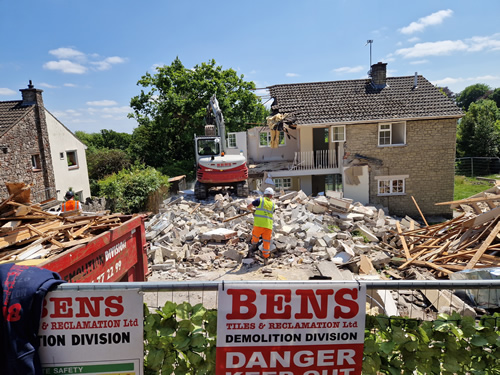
x=321 y=159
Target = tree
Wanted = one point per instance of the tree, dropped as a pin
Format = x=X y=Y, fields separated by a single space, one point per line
x=479 y=130
x=173 y=109
x=108 y=139
x=495 y=96
x=447 y=92
x=471 y=94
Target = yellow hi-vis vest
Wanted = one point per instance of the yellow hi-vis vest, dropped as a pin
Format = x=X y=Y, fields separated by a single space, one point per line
x=263 y=215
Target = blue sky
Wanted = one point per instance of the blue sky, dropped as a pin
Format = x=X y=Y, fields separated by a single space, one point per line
x=88 y=55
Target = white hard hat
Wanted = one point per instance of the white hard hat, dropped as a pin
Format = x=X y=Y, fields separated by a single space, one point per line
x=269 y=191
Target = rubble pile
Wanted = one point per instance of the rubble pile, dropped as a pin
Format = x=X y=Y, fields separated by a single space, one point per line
x=187 y=236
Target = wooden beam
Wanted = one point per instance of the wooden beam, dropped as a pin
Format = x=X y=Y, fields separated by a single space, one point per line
x=403 y=241
x=483 y=247
x=421 y=214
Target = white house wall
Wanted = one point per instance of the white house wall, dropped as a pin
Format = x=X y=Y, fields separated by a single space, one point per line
x=241 y=145
x=261 y=154
x=61 y=141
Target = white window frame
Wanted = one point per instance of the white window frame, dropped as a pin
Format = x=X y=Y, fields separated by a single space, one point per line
x=393 y=132
x=231 y=140
x=268 y=144
x=75 y=165
x=391 y=185
x=334 y=136
x=283 y=183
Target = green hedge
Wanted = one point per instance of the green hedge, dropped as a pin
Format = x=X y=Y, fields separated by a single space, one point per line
x=181 y=339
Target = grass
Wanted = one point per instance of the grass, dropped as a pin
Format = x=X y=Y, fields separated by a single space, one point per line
x=468 y=186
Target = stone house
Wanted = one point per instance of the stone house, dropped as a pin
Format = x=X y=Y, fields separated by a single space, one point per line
x=381 y=140
x=37 y=149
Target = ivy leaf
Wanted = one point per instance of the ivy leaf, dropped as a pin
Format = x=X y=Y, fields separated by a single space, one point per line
x=478 y=340
x=398 y=335
x=198 y=314
x=387 y=347
x=183 y=310
x=154 y=359
x=181 y=340
x=168 y=309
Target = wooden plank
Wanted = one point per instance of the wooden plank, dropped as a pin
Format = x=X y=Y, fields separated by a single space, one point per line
x=481 y=219
x=10 y=226
x=57 y=243
x=25 y=234
x=483 y=247
x=470 y=200
x=403 y=241
x=421 y=214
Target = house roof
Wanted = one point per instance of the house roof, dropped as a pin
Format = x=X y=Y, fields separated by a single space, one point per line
x=10 y=113
x=358 y=101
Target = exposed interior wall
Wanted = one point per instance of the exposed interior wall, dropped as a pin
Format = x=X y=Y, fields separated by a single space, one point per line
x=260 y=154
x=241 y=145
x=62 y=140
x=306 y=184
x=358 y=188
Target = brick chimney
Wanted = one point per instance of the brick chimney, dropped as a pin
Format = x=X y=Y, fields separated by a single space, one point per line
x=32 y=96
x=378 y=74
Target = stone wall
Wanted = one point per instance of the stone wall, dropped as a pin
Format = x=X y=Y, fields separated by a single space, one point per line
x=24 y=140
x=428 y=158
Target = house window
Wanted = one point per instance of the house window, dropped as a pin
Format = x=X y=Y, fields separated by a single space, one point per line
x=231 y=140
x=36 y=165
x=391 y=185
x=338 y=133
x=72 y=159
x=392 y=134
x=283 y=183
x=265 y=139
x=61 y=155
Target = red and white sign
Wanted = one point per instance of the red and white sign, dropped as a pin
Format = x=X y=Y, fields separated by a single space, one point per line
x=92 y=332
x=293 y=329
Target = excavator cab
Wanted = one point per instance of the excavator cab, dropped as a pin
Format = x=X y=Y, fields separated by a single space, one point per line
x=208 y=146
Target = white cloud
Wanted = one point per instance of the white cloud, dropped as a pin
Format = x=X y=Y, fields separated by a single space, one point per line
x=292 y=75
x=430 y=20
x=76 y=62
x=419 y=62
x=67 y=53
x=468 y=80
x=447 y=47
x=444 y=47
x=414 y=39
x=65 y=66
x=108 y=62
x=48 y=85
x=69 y=85
x=347 y=69
x=6 y=91
x=102 y=103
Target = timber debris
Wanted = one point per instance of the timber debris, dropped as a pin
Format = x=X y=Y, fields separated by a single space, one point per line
x=28 y=231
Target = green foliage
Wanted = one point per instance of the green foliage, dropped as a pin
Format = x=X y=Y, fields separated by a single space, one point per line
x=180 y=339
x=105 y=162
x=129 y=189
x=479 y=130
x=448 y=345
x=471 y=94
x=175 y=105
x=106 y=139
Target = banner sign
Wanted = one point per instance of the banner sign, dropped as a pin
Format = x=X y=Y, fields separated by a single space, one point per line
x=297 y=329
x=92 y=332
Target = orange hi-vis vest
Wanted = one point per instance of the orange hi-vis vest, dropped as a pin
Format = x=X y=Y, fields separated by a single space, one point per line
x=70 y=205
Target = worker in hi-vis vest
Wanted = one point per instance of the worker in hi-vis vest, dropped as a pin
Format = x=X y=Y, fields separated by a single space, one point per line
x=263 y=222
x=71 y=204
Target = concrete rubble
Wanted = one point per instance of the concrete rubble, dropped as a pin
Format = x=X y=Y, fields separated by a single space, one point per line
x=339 y=238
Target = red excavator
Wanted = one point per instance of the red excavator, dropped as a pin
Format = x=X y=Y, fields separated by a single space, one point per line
x=213 y=167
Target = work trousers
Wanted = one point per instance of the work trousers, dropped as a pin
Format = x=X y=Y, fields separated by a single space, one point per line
x=266 y=239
